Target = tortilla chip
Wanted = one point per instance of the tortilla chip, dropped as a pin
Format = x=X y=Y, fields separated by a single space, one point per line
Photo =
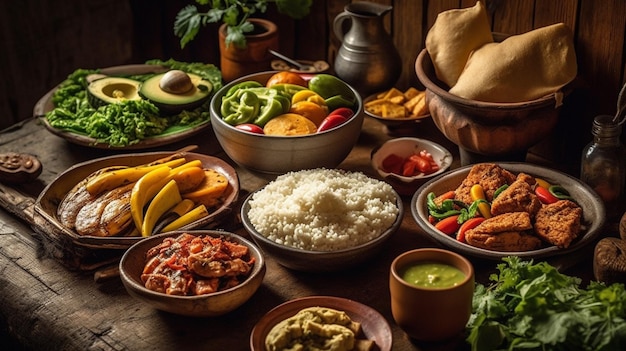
x=455 y=34
x=521 y=68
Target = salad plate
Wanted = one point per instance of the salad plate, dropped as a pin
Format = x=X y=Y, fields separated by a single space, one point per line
x=170 y=135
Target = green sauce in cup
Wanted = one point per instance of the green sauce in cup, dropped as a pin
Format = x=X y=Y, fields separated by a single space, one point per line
x=432 y=275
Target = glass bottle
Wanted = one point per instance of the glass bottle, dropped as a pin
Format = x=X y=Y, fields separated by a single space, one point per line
x=603 y=163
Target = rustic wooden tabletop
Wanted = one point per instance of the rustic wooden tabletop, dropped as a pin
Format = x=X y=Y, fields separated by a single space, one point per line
x=46 y=305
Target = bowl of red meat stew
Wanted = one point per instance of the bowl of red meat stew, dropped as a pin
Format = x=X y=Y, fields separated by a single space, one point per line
x=494 y=210
x=201 y=273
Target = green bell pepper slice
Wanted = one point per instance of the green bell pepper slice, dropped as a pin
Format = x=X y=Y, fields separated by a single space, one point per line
x=287 y=89
x=335 y=92
x=241 y=107
x=243 y=85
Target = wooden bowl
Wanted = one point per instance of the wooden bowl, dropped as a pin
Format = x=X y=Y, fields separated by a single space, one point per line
x=89 y=252
x=207 y=305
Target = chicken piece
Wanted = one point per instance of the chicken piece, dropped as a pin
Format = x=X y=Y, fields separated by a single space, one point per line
x=518 y=197
x=505 y=232
x=490 y=177
x=559 y=223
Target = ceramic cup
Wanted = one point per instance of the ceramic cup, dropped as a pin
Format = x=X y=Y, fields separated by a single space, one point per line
x=431 y=314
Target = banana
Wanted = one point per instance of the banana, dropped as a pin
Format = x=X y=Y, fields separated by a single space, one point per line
x=197 y=213
x=164 y=200
x=112 y=179
x=144 y=190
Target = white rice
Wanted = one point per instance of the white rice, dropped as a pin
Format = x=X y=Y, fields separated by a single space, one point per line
x=323 y=209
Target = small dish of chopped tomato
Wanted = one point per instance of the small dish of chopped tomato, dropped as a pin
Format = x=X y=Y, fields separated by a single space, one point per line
x=407 y=162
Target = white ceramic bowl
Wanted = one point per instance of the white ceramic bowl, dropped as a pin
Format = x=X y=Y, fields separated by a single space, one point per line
x=207 y=305
x=405 y=147
x=281 y=154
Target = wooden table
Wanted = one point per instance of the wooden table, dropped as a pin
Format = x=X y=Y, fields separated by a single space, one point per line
x=44 y=305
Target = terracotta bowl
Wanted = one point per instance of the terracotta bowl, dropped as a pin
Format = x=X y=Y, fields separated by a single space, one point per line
x=485 y=128
x=280 y=154
x=431 y=314
x=373 y=324
x=405 y=147
x=207 y=305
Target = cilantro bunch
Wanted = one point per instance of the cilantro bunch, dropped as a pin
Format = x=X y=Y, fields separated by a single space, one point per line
x=531 y=306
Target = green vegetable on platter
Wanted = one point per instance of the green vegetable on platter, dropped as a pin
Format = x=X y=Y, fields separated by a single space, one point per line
x=532 y=306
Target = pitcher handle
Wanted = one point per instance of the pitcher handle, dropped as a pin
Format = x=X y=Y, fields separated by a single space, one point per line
x=338 y=24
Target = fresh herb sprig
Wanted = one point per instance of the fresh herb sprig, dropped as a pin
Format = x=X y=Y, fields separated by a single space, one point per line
x=531 y=306
x=235 y=14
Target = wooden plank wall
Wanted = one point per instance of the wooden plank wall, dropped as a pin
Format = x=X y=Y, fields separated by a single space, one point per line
x=44 y=40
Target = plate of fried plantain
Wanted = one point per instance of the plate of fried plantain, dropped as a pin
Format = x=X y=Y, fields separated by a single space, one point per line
x=112 y=202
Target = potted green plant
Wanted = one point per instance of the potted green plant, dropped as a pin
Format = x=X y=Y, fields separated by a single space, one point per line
x=244 y=40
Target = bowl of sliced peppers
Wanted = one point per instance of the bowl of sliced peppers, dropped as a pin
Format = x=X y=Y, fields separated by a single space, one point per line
x=281 y=127
x=406 y=163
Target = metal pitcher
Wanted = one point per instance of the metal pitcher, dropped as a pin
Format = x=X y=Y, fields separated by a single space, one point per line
x=367 y=58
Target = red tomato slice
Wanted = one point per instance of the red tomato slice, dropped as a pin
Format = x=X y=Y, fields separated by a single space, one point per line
x=408 y=168
x=544 y=195
x=331 y=121
x=422 y=164
x=249 y=127
x=342 y=111
x=393 y=164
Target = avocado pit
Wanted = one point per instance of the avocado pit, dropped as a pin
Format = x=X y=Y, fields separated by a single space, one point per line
x=176 y=82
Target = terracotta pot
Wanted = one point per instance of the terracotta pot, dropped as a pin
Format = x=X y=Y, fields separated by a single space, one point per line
x=236 y=62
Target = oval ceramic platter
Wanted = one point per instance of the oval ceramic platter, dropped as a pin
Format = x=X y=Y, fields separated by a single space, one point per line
x=592 y=221
x=169 y=136
x=374 y=326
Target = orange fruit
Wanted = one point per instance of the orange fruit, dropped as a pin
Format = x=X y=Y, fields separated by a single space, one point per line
x=289 y=124
x=286 y=77
x=312 y=111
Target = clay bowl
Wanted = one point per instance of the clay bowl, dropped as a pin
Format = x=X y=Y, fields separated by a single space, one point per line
x=280 y=154
x=485 y=128
x=373 y=324
x=206 y=305
x=431 y=313
x=405 y=147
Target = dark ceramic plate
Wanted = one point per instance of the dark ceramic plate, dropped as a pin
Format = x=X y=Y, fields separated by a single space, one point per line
x=375 y=326
x=593 y=210
x=169 y=136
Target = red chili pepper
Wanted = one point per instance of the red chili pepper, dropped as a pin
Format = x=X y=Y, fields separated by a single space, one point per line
x=448 y=225
x=467 y=225
x=331 y=121
x=545 y=196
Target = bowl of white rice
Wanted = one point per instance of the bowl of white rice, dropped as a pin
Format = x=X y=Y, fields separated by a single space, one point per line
x=321 y=220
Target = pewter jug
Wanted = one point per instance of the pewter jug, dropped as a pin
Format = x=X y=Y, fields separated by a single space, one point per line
x=367 y=58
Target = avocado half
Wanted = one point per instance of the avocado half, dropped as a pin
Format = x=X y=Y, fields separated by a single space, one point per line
x=111 y=90
x=171 y=100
